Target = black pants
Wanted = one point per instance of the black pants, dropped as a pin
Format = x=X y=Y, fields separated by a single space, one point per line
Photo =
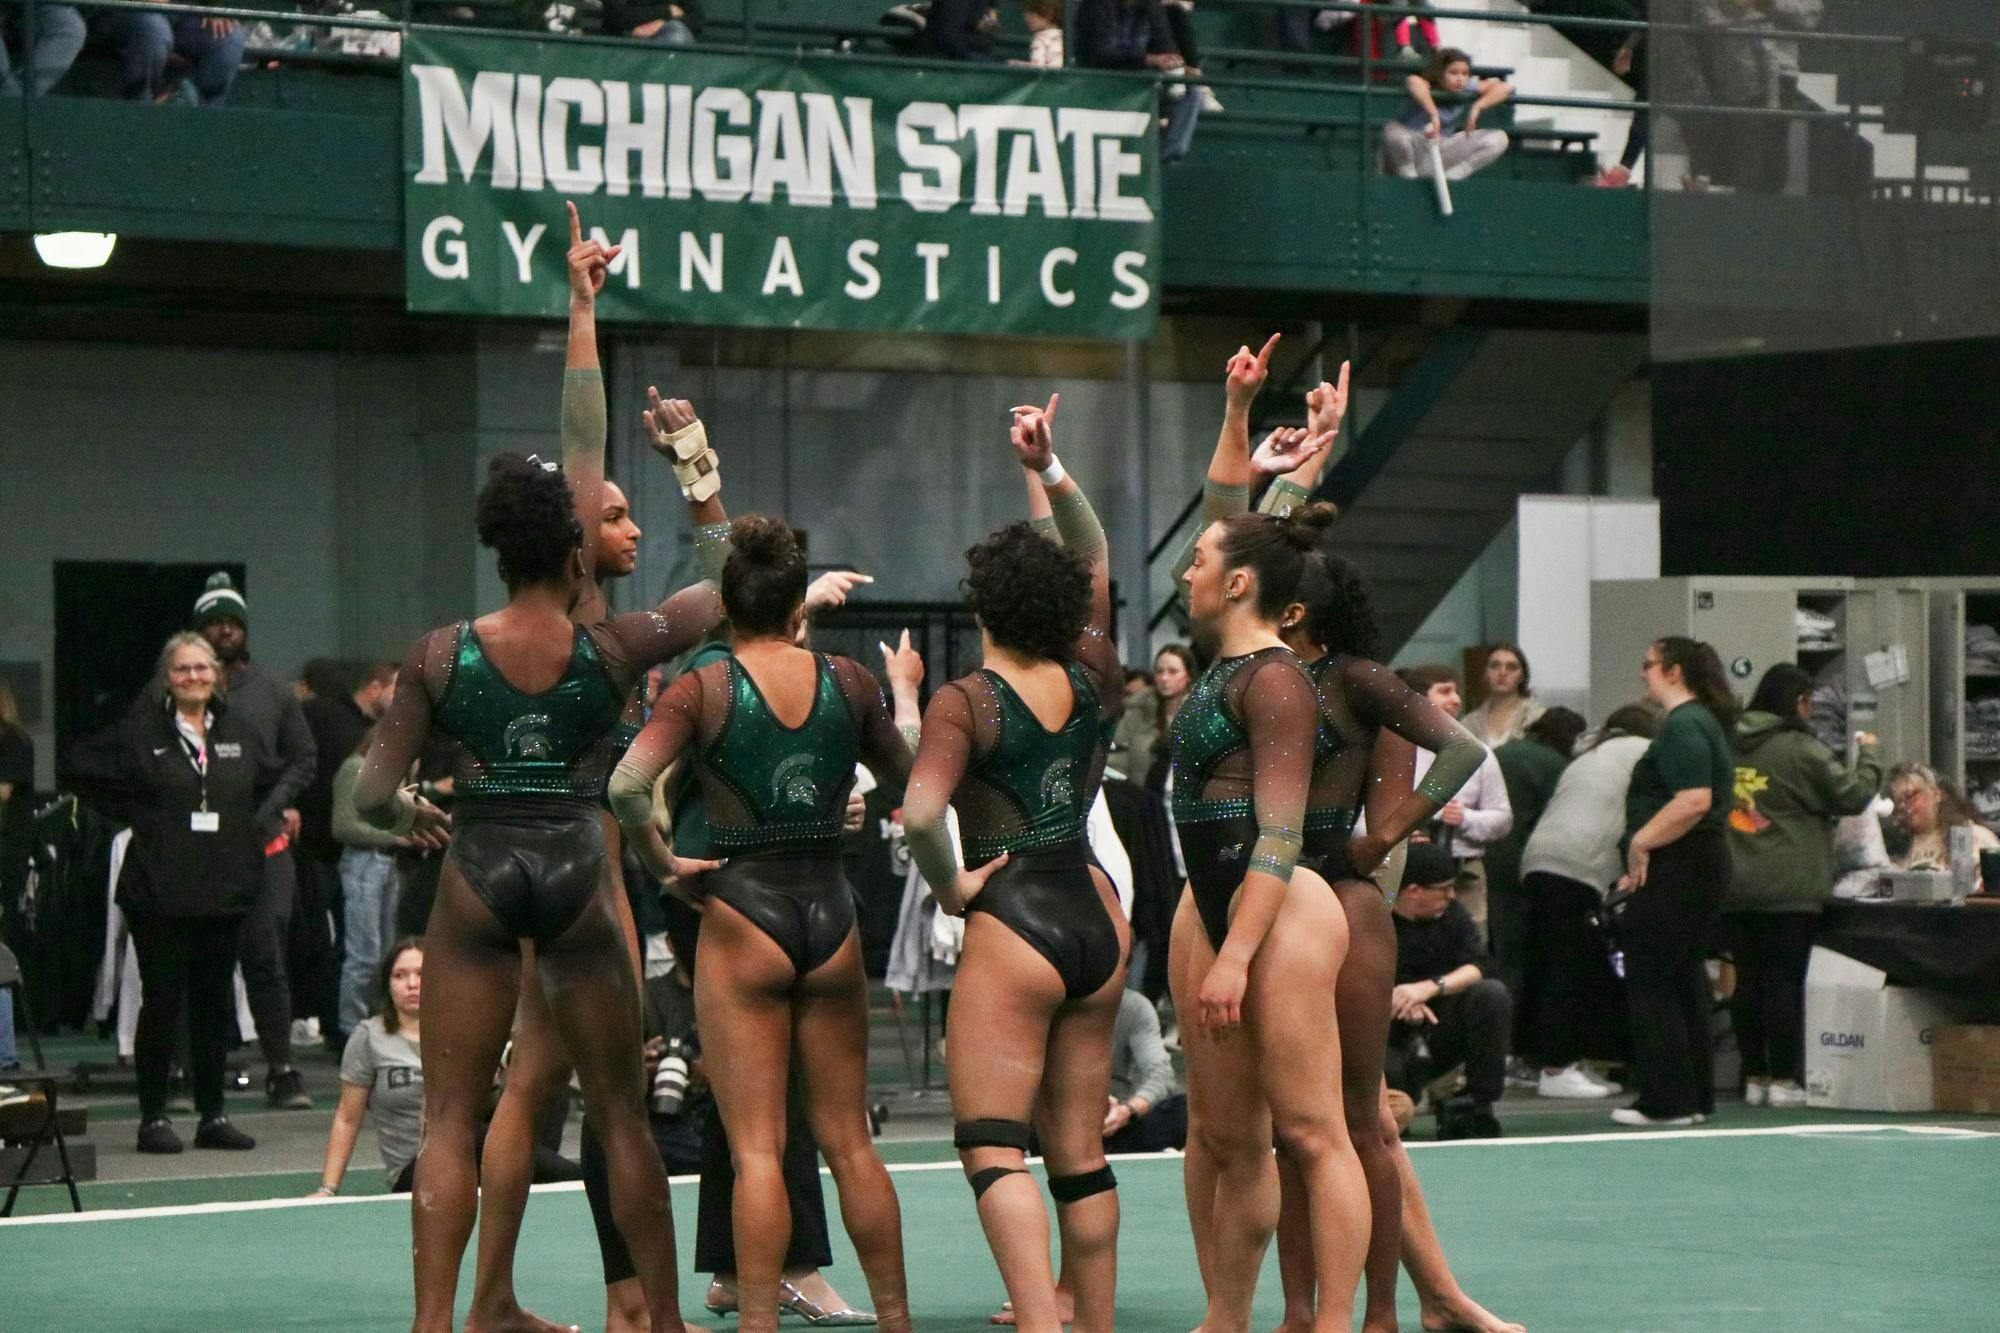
x=187 y=969
x=1579 y=1006
x=714 y=1226
x=1666 y=934
x=1768 y=1009
x=1180 y=23
x=262 y=941
x=1163 y=1127
x=314 y=949
x=1507 y=927
x=678 y=1140
x=1471 y=1030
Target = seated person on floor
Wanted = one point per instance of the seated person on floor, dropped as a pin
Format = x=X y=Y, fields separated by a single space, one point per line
x=1147 y=1112
x=1448 y=1011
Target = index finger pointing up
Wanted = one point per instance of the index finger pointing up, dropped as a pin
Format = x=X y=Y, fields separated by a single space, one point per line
x=575 y=224
x=1263 y=357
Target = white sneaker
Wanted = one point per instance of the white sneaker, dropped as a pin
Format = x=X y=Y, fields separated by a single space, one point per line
x=1210 y=103
x=1756 y=1091
x=1575 y=1081
x=1632 y=1115
x=1784 y=1092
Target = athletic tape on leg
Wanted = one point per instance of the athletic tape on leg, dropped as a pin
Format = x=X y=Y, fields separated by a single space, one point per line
x=1070 y=1189
x=982 y=1180
x=990 y=1134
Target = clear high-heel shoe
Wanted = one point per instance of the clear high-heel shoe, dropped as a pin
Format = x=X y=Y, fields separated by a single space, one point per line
x=806 y=1308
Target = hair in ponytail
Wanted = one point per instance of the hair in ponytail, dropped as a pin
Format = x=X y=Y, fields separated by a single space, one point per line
x=1701 y=671
x=1275 y=549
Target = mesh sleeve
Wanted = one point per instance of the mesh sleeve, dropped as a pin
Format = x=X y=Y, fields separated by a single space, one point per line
x=400 y=735
x=1280 y=715
x=635 y=642
x=883 y=748
x=1381 y=697
x=941 y=763
x=674 y=724
x=1218 y=501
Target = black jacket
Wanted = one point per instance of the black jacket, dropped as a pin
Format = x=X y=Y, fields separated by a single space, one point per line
x=139 y=774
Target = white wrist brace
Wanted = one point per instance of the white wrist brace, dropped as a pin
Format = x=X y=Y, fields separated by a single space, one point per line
x=696 y=467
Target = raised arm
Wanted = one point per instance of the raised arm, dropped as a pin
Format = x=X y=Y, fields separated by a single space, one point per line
x=1380 y=697
x=659 y=743
x=1278 y=707
x=679 y=436
x=1326 y=407
x=941 y=763
x=379 y=794
x=1076 y=524
x=583 y=413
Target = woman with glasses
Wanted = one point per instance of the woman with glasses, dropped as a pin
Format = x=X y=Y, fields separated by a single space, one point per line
x=1677 y=869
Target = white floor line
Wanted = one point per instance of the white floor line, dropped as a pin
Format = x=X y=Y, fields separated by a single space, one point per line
x=911 y=1168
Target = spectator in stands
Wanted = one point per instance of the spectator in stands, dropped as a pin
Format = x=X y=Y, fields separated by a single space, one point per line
x=1790 y=787
x=1135 y=34
x=1417 y=36
x=368 y=888
x=1463 y=146
x=1570 y=861
x=266 y=707
x=1677 y=871
x=338 y=713
x=1530 y=768
x=1509 y=706
x=1446 y=999
x=182 y=770
x=1927 y=809
x=212 y=49
x=59 y=35
x=1045 y=33
x=1479 y=815
x=17 y=792
x=668 y=22
x=382 y=1070
x=961 y=29
x=1147 y=1113
x=1630 y=63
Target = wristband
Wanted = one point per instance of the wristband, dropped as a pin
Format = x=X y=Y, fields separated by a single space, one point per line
x=1052 y=474
x=696 y=467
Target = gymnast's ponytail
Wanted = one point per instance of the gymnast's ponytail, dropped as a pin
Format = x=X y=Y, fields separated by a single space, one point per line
x=1275 y=549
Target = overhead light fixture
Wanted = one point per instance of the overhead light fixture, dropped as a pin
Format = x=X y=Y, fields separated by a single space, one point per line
x=75 y=249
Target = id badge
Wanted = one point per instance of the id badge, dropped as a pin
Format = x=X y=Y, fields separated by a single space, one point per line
x=205 y=821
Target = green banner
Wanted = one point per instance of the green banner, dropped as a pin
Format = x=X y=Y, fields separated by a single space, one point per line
x=813 y=192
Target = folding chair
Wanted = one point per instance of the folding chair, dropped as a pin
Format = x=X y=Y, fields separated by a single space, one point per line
x=49 y=1081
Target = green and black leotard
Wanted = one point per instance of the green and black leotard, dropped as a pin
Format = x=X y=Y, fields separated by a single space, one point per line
x=774 y=795
x=528 y=767
x=1358 y=699
x=1244 y=746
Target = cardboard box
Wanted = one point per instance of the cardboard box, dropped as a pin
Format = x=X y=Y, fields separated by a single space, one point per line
x=1966 y=1062
x=1868 y=1044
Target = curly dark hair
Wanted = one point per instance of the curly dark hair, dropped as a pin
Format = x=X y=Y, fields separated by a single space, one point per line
x=1031 y=595
x=764 y=580
x=526 y=513
x=1275 y=549
x=1340 y=611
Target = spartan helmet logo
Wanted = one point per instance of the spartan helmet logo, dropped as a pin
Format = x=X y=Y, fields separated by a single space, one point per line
x=792 y=782
x=1058 y=788
x=527 y=737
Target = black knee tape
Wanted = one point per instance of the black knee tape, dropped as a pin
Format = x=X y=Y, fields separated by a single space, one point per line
x=982 y=1180
x=1070 y=1189
x=990 y=1134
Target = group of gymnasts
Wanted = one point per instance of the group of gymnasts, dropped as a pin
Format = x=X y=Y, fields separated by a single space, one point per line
x=1282 y=954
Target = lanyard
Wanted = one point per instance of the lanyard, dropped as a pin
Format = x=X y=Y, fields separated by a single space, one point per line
x=197 y=756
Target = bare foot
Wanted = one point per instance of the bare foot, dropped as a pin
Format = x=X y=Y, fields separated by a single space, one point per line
x=1302 y=1323
x=1384 y=1324
x=1462 y=1314
x=509 y=1317
x=1065 y=1310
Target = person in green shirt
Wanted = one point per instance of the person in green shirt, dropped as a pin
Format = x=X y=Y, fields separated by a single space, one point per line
x=1677 y=871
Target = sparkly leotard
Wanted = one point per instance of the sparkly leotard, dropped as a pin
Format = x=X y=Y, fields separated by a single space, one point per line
x=1244 y=743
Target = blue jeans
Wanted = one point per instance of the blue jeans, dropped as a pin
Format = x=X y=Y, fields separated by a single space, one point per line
x=145 y=40
x=59 y=34
x=1181 y=111
x=673 y=32
x=369 y=890
x=10 y=1054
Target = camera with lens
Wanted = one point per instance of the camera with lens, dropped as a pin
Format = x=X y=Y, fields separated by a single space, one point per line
x=670 y=1079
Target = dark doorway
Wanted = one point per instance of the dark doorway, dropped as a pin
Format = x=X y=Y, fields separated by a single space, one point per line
x=112 y=618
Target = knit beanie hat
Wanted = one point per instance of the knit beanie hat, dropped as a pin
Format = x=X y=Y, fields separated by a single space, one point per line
x=219 y=600
x=1428 y=864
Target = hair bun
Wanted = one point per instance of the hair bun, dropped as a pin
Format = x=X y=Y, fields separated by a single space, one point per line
x=763 y=539
x=1304 y=526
